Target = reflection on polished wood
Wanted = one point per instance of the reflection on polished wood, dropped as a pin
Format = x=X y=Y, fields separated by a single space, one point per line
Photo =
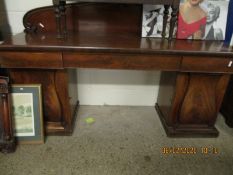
x=123 y=43
x=61 y=12
x=107 y=36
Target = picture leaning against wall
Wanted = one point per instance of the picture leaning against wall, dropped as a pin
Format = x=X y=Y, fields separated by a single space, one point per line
x=202 y=19
x=27 y=113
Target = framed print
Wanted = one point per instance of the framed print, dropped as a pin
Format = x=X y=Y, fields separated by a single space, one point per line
x=202 y=19
x=152 y=21
x=27 y=113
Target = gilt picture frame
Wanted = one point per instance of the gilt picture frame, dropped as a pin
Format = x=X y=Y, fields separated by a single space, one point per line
x=26 y=113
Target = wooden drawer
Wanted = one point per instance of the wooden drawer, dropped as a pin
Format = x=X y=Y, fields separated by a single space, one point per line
x=46 y=60
x=122 y=61
x=207 y=64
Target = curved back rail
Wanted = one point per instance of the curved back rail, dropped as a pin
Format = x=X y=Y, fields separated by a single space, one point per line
x=88 y=17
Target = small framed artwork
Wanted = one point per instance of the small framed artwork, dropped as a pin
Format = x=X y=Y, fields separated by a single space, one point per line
x=152 y=21
x=27 y=113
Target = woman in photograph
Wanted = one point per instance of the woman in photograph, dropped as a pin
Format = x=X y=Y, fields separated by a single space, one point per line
x=212 y=15
x=192 y=20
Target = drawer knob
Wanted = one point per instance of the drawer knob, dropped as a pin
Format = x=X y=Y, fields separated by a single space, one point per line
x=230 y=64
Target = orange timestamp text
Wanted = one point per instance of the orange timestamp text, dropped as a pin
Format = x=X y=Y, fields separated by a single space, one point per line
x=189 y=150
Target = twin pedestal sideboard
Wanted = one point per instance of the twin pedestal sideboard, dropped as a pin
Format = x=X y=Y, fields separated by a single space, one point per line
x=194 y=74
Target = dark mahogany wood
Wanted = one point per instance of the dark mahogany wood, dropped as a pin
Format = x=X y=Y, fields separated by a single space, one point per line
x=24 y=60
x=131 y=43
x=101 y=18
x=227 y=105
x=122 y=61
x=188 y=103
x=207 y=64
x=122 y=1
x=109 y=36
x=59 y=103
x=60 y=6
x=7 y=141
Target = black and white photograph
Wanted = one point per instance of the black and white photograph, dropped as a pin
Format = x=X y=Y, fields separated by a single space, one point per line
x=202 y=19
x=152 y=21
x=216 y=19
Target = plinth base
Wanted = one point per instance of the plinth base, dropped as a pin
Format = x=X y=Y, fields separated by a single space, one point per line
x=186 y=131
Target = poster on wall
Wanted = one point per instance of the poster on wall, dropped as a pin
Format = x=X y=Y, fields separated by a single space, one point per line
x=202 y=19
x=152 y=21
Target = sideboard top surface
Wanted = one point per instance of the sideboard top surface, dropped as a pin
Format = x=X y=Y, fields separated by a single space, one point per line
x=102 y=28
x=126 y=1
x=94 y=42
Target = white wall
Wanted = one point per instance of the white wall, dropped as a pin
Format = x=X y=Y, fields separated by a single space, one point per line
x=17 y=8
x=98 y=87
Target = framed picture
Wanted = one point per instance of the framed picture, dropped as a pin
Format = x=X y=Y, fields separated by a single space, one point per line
x=27 y=113
x=152 y=21
x=202 y=19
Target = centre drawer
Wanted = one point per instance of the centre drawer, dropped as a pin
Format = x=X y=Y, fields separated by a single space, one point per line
x=207 y=64
x=122 y=61
x=46 y=60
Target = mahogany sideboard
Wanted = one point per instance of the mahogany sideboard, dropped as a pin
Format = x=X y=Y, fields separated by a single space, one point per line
x=194 y=77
